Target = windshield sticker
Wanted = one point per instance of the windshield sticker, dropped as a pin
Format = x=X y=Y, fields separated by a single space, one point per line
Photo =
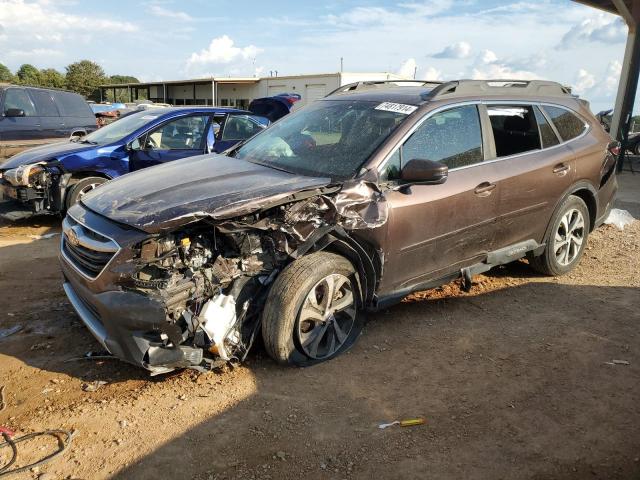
x=397 y=107
x=149 y=117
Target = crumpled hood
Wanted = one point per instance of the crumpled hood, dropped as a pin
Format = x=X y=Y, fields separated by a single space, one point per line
x=164 y=197
x=45 y=153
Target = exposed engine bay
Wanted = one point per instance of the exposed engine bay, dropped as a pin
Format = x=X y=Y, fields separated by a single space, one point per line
x=38 y=185
x=212 y=275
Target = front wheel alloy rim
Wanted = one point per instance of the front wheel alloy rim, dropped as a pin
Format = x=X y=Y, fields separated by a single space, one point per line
x=569 y=237
x=86 y=189
x=326 y=317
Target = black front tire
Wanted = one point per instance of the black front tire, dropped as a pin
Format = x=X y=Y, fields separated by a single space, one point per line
x=79 y=188
x=557 y=260
x=287 y=333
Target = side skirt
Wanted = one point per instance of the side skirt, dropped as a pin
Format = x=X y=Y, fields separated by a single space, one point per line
x=497 y=257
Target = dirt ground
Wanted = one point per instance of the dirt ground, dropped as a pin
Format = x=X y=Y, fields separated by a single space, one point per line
x=516 y=380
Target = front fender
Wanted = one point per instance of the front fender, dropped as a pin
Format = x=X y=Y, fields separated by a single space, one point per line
x=109 y=161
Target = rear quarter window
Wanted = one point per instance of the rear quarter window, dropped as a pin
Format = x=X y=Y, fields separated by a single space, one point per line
x=569 y=126
x=72 y=105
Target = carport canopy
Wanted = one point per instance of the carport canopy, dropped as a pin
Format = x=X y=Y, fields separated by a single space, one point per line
x=629 y=10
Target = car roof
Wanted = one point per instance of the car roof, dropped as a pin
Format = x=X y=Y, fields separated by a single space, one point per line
x=418 y=92
x=413 y=95
x=170 y=110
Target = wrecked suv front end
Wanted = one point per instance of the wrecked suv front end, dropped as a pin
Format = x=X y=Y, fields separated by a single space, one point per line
x=188 y=292
x=175 y=266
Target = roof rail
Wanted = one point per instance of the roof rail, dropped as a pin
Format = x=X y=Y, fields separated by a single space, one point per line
x=366 y=84
x=499 y=86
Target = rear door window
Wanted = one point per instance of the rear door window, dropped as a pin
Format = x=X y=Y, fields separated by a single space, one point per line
x=547 y=135
x=452 y=137
x=515 y=129
x=71 y=105
x=18 y=98
x=569 y=125
x=44 y=103
x=241 y=127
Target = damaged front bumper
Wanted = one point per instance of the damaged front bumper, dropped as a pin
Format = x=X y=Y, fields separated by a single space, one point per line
x=128 y=326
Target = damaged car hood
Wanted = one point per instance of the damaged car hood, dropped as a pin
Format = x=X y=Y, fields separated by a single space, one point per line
x=160 y=198
x=45 y=153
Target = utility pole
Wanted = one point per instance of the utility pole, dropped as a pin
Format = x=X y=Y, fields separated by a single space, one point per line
x=341 y=64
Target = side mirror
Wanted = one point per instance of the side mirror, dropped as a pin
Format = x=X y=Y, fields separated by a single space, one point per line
x=14 y=112
x=75 y=136
x=422 y=171
x=134 y=145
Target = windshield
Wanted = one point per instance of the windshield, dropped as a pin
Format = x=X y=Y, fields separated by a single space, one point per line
x=121 y=128
x=329 y=138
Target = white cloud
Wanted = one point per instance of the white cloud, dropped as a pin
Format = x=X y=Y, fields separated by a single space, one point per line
x=490 y=66
x=601 y=28
x=431 y=73
x=584 y=81
x=360 y=16
x=408 y=68
x=612 y=76
x=456 y=50
x=222 y=50
x=34 y=53
x=428 y=8
x=160 y=11
x=21 y=18
x=488 y=56
x=380 y=16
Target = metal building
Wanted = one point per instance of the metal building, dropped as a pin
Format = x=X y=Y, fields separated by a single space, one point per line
x=238 y=91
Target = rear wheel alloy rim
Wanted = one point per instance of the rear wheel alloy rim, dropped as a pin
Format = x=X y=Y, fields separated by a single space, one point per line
x=569 y=237
x=327 y=316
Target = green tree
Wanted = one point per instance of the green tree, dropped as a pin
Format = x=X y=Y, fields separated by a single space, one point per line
x=84 y=77
x=5 y=75
x=28 y=75
x=50 y=77
x=122 y=95
x=123 y=79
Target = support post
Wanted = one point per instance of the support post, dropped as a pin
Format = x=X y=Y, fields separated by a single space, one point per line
x=623 y=109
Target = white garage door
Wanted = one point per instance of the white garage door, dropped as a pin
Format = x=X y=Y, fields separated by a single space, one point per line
x=276 y=89
x=315 y=92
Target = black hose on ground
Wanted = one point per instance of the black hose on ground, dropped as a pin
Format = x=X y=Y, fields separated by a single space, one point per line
x=63 y=444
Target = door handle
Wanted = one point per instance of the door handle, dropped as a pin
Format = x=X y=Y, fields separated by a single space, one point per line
x=561 y=169
x=484 y=189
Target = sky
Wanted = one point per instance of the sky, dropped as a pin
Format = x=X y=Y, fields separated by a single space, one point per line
x=437 y=39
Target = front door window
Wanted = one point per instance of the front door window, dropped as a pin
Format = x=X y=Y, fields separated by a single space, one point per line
x=185 y=133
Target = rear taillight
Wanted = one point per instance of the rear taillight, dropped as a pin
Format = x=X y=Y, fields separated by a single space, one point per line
x=614 y=148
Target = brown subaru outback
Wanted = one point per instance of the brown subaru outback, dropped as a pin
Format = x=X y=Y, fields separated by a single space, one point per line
x=351 y=203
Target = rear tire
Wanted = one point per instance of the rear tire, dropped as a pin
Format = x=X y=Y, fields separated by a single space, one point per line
x=82 y=186
x=311 y=313
x=566 y=239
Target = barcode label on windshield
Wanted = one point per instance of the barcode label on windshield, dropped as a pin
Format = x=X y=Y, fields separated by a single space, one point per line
x=397 y=107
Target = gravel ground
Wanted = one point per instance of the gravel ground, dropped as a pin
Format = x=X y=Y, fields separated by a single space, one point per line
x=516 y=379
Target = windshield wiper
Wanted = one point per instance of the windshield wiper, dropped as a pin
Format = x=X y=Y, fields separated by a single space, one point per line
x=88 y=141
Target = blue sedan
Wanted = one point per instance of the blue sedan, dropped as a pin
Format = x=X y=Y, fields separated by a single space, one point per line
x=51 y=178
